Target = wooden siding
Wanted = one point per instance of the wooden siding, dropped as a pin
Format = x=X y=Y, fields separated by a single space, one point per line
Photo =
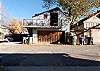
x=48 y=36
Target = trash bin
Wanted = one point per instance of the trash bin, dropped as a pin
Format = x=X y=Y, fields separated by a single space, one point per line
x=74 y=40
x=88 y=40
x=71 y=40
x=80 y=41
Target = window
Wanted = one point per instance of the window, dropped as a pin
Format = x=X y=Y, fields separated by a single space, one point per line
x=54 y=19
x=45 y=16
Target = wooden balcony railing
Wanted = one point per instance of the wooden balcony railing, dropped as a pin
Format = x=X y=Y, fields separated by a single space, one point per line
x=40 y=23
x=92 y=25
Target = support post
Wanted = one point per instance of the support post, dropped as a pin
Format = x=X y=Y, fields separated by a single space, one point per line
x=35 y=36
x=65 y=37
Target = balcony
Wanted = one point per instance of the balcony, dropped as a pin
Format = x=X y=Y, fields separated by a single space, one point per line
x=40 y=23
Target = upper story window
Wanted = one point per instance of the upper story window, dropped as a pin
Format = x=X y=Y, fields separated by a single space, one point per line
x=45 y=16
x=54 y=19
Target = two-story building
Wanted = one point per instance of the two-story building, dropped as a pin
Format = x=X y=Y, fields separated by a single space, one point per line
x=51 y=26
x=89 y=26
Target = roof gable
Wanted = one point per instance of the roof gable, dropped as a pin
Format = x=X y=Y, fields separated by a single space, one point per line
x=84 y=19
x=94 y=14
x=93 y=19
x=51 y=10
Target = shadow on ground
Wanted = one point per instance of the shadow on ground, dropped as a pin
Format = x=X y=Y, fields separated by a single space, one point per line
x=58 y=59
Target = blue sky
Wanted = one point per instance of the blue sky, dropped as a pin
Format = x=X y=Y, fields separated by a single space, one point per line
x=23 y=8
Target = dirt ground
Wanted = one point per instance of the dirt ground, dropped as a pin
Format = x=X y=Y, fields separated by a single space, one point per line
x=91 y=52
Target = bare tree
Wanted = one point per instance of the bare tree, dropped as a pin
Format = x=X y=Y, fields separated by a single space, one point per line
x=15 y=27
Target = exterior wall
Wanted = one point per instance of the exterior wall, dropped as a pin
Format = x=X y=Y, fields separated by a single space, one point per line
x=95 y=33
x=93 y=21
x=62 y=21
x=40 y=19
x=65 y=24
